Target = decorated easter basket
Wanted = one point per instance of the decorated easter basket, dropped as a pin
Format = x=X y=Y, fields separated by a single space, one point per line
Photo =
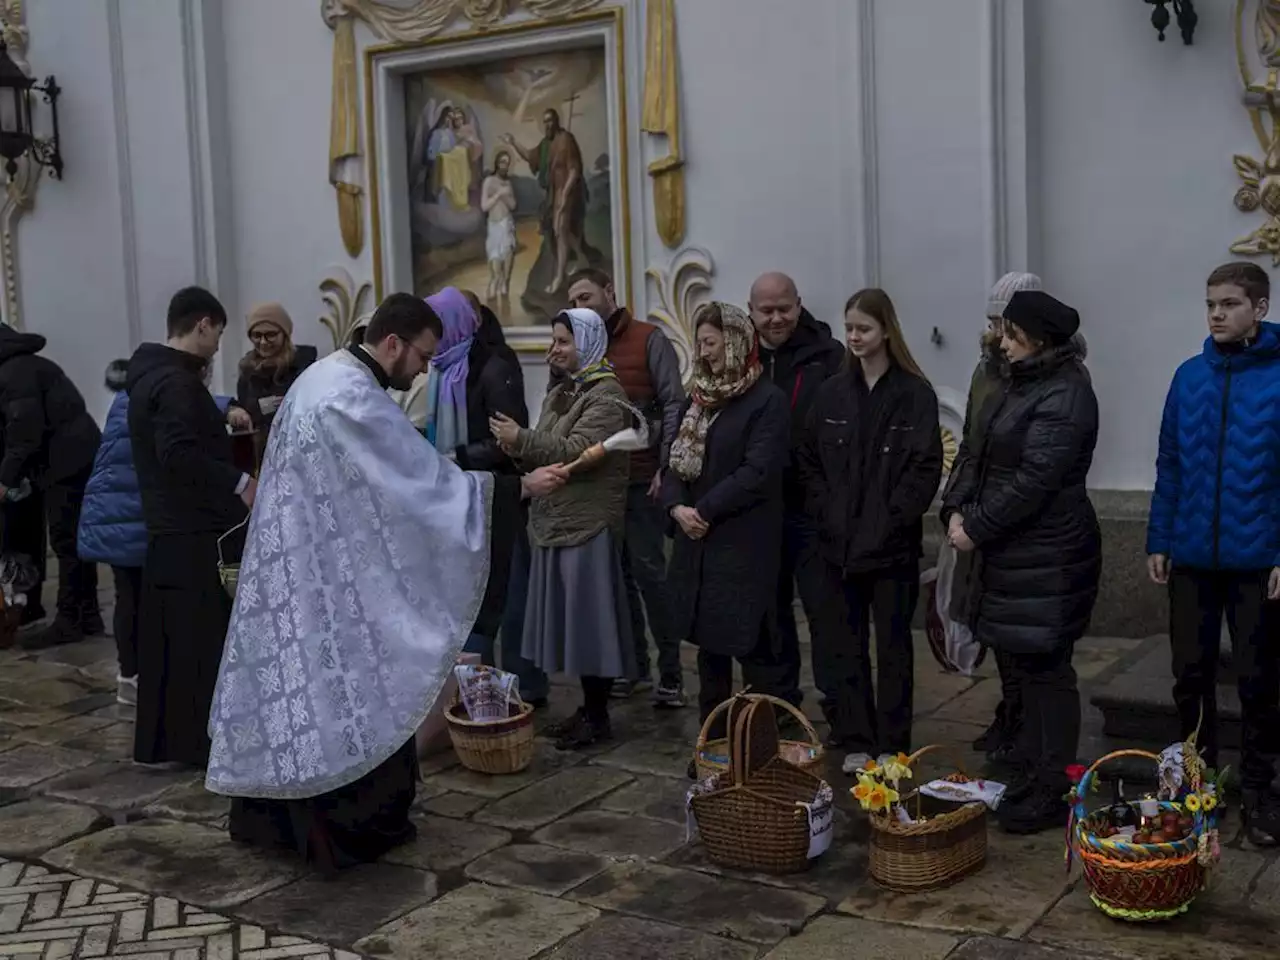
x=935 y=852
x=711 y=757
x=493 y=746
x=1143 y=881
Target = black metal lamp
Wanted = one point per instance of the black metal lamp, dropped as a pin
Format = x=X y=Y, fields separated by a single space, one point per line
x=1184 y=10
x=16 y=134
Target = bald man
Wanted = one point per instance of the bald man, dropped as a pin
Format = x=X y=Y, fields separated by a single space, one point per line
x=798 y=353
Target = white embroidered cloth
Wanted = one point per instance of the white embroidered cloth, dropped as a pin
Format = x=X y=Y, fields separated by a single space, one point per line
x=363 y=573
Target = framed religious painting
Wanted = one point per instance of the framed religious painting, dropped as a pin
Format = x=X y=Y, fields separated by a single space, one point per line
x=499 y=165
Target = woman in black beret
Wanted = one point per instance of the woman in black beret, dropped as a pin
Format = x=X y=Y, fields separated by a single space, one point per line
x=1017 y=500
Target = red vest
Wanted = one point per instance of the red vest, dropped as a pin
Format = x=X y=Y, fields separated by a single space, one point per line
x=629 y=353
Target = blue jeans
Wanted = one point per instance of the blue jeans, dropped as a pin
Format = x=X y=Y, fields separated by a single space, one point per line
x=644 y=573
x=533 y=681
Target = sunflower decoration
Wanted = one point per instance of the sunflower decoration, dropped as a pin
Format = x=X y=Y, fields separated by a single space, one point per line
x=1192 y=802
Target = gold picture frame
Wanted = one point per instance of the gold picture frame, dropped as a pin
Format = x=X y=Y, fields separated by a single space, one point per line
x=388 y=67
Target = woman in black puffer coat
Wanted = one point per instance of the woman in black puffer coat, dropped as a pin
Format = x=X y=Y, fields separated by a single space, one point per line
x=1017 y=499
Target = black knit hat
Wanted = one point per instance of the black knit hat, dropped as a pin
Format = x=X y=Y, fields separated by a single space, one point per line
x=1042 y=317
x=117 y=374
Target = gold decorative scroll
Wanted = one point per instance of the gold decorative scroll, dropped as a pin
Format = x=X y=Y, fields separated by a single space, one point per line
x=344 y=135
x=661 y=116
x=345 y=302
x=682 y=287
x=1260 y=179
x=410 y=22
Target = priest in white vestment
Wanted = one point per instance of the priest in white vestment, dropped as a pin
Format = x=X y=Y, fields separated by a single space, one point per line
x=365 y=567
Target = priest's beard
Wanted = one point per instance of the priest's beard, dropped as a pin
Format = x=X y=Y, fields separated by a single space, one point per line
x=401 y=376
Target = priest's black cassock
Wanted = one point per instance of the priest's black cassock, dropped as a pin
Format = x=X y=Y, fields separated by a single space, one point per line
x=369 y=561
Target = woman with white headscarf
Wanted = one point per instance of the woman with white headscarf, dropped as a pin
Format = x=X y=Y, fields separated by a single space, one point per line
x=577 y=621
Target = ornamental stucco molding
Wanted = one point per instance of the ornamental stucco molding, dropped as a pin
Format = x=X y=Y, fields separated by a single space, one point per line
x=1257 y=29
x=19 y=194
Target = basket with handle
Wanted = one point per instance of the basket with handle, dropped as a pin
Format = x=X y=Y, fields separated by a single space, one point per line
x=711 y=757
x=930 y=853
x=497 y=746
x=1137 y=881
x=229 y=573
x=753 y=817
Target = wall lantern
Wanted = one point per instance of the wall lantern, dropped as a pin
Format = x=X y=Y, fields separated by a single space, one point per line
x=16 y=134
x=1184 y=10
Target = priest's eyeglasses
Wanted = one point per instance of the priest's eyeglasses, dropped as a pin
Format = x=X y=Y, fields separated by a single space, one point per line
x=422 y=354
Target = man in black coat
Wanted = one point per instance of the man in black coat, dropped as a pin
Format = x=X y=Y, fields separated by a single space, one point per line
x=798 y=353
x=49 y=443
x=192 y=494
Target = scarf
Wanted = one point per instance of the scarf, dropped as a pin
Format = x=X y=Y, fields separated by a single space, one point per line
x=446 y=428
x=591 y=340
x=711 y=392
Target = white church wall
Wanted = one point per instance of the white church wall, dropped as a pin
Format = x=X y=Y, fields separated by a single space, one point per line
x=922 y=145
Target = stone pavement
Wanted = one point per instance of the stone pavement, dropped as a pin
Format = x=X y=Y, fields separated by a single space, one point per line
x=582 y=856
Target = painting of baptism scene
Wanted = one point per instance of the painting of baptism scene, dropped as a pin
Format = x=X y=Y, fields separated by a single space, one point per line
x=509 y=179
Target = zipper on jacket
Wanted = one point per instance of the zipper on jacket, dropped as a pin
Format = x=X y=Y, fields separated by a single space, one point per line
x=1217 y=487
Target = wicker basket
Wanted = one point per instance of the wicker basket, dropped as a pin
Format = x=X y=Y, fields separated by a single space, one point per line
x=1137 y=881
x=948 y=846
x=492 y=746
x=710 y=757
x=753 y=819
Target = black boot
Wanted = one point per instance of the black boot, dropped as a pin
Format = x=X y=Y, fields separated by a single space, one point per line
x=587 y=731
x=1042 y=808
x=56 y=634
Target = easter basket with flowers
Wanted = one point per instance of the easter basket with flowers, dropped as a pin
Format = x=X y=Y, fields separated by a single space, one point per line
x=1148 y=859
x=924 y=838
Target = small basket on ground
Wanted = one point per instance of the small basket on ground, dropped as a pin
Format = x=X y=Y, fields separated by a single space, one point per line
x=946 y=846
x=493 y=746
x=756 y=815
x=1139 y=881
x=711 y=757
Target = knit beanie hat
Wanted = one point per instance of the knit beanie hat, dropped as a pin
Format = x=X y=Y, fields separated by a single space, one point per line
x=272 y=313
x=117 y=375
x=1006 y=287
x=1041 y=317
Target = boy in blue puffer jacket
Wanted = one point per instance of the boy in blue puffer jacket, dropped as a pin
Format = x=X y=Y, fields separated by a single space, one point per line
x=1214 y=530
x=111 y=527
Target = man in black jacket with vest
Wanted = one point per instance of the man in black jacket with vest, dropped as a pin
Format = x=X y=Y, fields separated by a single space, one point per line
x=798 y=353
x=49 y=443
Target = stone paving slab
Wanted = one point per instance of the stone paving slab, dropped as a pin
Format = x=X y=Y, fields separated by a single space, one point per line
x=992 y=948
x=548 y=799
x=443 y=844
x=546 y=761
x=839 y=938
x=189 y=861
x=537 y=868
x=626 y=938
x=30 y=763
x=31 y=827
x=664 y=758
x=449 y=804
x=113 y=741
x=118 y=787
x=480 y=921
x=660 y=798
x=63 y=730
x=1022 y=879
x=61 y=915
x=345 y=908
x=614 y=835
x=189 y=801
x=732 y=908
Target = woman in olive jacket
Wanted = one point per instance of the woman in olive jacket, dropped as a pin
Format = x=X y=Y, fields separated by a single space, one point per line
x=870 y=463
x=1017 y=499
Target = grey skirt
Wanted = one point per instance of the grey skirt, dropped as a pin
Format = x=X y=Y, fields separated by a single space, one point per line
x=577 y=621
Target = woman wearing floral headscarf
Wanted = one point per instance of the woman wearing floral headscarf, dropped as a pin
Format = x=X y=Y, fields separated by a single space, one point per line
x=723 y=489
x=577 y=621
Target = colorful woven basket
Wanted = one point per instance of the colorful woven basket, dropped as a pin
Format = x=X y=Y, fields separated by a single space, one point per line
x=1137 y=881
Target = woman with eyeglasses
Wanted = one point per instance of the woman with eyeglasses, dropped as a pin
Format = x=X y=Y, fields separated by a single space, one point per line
x=269 y=369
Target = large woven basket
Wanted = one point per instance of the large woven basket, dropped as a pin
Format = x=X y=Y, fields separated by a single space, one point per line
x=1137 y=881
x=948 y=846
x=493 y=746
x=711 y=757
x=753 y=819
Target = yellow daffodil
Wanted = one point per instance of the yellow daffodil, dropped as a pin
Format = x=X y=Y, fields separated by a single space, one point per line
x=862 y=793
x=880 y=797
x=897 y=768
x=1209 y=802
x=872 y=767
x=1192 y=802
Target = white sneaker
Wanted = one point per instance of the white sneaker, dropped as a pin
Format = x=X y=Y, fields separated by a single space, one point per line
x=854 y=762
x=127 y=690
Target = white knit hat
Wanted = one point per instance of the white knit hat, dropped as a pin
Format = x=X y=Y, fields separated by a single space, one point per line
x=1006 y=287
